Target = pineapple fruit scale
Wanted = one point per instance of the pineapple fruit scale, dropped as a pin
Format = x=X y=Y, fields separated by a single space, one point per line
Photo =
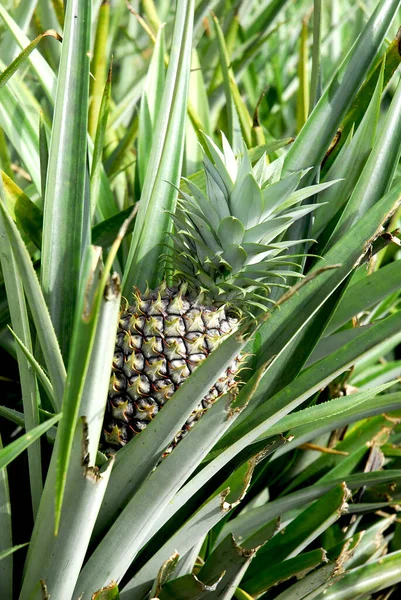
x=228 y=252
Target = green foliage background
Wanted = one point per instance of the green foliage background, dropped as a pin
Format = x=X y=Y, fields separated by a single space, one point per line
x=103 y=111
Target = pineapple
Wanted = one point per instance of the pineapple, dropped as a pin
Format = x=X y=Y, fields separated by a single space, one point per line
x=162 y=337
x=227 y=254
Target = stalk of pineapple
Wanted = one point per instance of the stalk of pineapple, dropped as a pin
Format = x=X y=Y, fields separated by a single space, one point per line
x=227 y=253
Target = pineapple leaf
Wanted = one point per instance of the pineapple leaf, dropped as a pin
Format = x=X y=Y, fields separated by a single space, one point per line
x=377 y=175
x=391 y=60
x=230 y=231
x=171 y=470
x=150 y=105
x=38 y=63
x=67 y=202
x=6 y=537
x=311 y=144
x=298 y=534
x=44 y=327
x=366 y=293
x=249 y=190
x=209 y=515
x=20 y=321
x=165 y=160
x=372 y=577
x=295 y=566
x=44 y=380
x=355 y=152
x=14 y=449
x=231 y=557
x=13 y=97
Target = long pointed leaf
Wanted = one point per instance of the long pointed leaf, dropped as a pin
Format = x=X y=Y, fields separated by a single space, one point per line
x=66 y=216
x=310 y=146
x=164 y=167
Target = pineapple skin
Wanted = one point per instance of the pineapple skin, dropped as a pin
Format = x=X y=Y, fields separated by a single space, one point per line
x=161 y=339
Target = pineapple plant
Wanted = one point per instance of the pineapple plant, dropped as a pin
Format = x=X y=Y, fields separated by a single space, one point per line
x=247 y=444
x=228 y=257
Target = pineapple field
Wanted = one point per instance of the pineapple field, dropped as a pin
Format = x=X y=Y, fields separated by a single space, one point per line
x=200 y=300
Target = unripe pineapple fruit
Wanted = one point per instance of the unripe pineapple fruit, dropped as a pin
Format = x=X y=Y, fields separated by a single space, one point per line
x=161 y=339
x=229 y=250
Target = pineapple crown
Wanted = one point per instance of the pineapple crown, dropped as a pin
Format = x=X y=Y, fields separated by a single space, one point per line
x=228 y=242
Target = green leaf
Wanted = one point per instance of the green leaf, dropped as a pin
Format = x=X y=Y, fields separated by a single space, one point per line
x=66 y=215
x=366 y=293
x=10 y=452
x=355 y=444
x=82 y=341
x=373 y=577
x=233 y=560
x=166 y=571
x=357 y=440
x=298 y=534
x=99 y=68
x=335 y=408
x=354 y=153
x=233 y=125
x=43 y=378
x=176 y=467
x=20 y=322
x=110 y=592
x=277 y=407
x=306 y=192
x=245 y=195
x=195 y=528
x=369 y=542
x=164 y=166
x=36 y=60
x=150 y=105
x=44 y=161
x=22 y=57
x=188 y=587
x=311 y=144
x=28 y=147
x=14 y=100
x=275 y=194
x=23 y=15
x=100 y=133
x=46 y=335
x=199 y=178
x=26 y=214
x=311 y=380
x=231 y=231
x=288 y=321
x=6 y=539
x=13 y=415
x=303 y=85
x=377 y=175
x=295 y=566
x=310 y=586
x=235 y=256
x=263 y=16
x=248 y=522
x=358 y=109
x=60 y=558
x=5 y=553
x=105 y=232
